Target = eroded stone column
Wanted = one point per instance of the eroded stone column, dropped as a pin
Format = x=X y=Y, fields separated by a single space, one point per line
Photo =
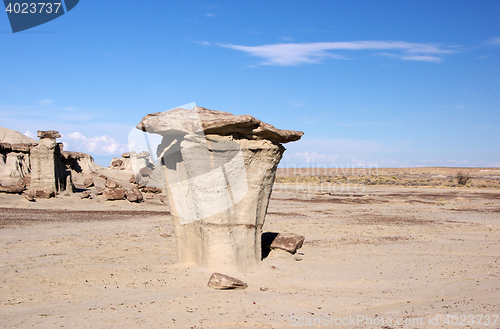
x=47 y=176
x=219 y=169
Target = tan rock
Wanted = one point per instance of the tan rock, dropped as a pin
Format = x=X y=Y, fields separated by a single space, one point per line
x=134 y=195
x=47 y=171
x=225 y=282
x=44 y=194
x=214 y=122
x=85 y=195
x=112 y=184
x=285 y=241
x=150 y=189
x=219 y=170
x=29 y=195
x=114 y=194
x=88 y=182
x=146 y=171
x=48 y=134
x=116 y=163
x=15 y=189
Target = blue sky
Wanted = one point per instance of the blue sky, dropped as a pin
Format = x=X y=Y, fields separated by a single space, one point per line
x=386 y=83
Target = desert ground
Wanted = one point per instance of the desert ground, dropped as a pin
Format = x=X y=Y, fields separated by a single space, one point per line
x=415 y=256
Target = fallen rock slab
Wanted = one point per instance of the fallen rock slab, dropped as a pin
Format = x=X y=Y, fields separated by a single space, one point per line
x=16 y=188
x=225 y=282
x=111 y=194
x=85 y=195
x=151 y=189
x=42 y=194
x=285 y=241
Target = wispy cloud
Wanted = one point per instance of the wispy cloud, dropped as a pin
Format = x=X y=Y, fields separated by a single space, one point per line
x=102 y=145
x=202 y=43
x=289 y=54
x=421 y=58
x=493 y=42
x=210 y=15
x=45 y=102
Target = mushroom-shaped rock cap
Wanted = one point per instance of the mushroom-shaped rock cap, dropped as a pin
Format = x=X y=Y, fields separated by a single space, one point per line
x=182 y=121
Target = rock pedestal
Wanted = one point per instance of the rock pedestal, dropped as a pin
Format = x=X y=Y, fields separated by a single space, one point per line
x=219 y=169
x=47 y=171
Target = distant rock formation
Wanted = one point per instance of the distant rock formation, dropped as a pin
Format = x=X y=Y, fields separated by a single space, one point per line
x=14 y=155
x=219 y=169
x=80 y=162
x=48 y=173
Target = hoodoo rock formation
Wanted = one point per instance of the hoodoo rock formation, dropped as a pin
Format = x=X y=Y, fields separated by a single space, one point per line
x=219 y=169
x=48 y=174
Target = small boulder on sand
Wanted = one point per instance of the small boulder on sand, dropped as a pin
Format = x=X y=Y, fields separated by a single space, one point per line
x=114 y=194
x=134 y=195
x=225 y=282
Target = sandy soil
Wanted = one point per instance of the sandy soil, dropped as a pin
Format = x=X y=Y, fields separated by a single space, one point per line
x=405 y=254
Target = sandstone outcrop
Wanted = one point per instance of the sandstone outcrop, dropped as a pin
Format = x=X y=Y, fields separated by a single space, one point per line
x=14 y=155
x=48 y=174
x=80 y=162
x=219 y=169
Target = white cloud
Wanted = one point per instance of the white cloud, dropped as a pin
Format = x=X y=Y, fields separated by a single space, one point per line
x=46 y=102
x=289 y=54
x=102 y=145
x=30 y=134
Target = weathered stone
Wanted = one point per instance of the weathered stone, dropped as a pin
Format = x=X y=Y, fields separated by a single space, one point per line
x=48 y=134
x=150 y=196
x=150 y=189
x=48 y=172
x=100 y=191
x=116 y=163
x=285 y=241
x=225 y=282
x=85 y=195
x=29 y=195
x=25 y=181
x=80 y=162
x=70 y=187
x=40 y=194
x=88 y=182
x=15 y=188
x=114 y=194
x=102 y=176
x=214 y=122
x=112 y=184
x=146 y=171
x=126 y=155
x=219 y=169
x=134 y=195
x=132 y=180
